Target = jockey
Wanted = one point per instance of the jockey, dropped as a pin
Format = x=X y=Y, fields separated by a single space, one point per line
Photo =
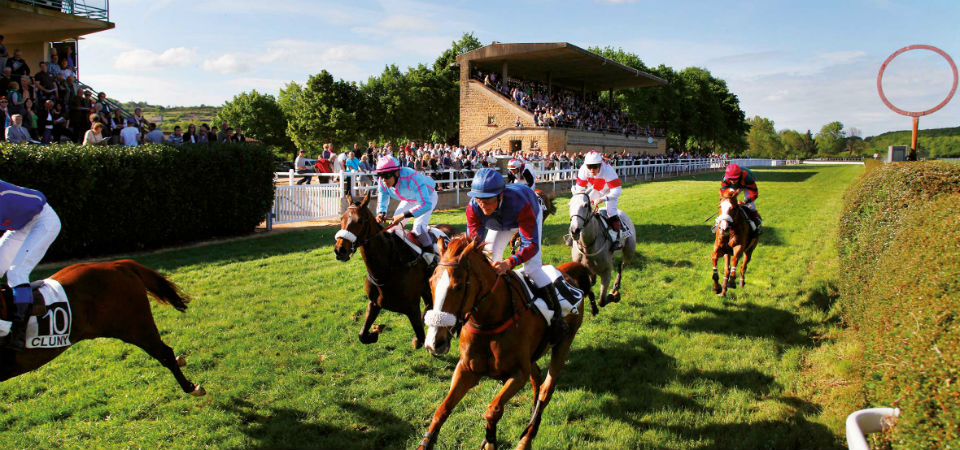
x=417 y=194
x=30 y=226
x=520 y=172
x=495 y=213
x=600 y=181
x=736 y=177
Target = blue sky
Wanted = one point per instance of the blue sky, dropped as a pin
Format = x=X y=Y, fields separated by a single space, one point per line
x=800 y=63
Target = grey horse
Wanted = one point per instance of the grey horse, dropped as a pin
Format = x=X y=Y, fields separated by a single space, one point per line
x=591 y=246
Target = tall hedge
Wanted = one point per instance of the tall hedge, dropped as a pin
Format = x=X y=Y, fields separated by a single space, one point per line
x=899 y=242
x=118 y=199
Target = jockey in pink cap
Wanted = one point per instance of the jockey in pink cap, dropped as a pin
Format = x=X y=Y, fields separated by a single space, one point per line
x=417 y=194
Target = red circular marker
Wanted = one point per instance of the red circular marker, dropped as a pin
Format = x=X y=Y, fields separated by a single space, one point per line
x=916 y=113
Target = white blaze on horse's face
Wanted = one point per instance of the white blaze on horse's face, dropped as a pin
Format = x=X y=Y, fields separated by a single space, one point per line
x=726 y=210
x=436 y=317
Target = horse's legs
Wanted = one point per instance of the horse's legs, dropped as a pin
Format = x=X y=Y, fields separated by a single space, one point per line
x=148 y=339
x=536 y=380
x=726 y=273
x=463 y=381
x=558 y=358
x=716 y=277
x=737 y=251
x=604 y=282
x=366 y=337
x=495 y=409
x=416 y=321
x=615 y=292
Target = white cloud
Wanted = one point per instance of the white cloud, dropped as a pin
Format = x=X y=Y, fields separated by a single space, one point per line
x=162 y=90
x=228 y=64
x=145 y=60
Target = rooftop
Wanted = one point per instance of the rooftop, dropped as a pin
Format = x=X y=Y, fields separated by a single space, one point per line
x=52 y=20
x=560 y=63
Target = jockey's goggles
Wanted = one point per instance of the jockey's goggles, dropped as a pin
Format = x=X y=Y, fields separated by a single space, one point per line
x=386 y=174
x=593 y=166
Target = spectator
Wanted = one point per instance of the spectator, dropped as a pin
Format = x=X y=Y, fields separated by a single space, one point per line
x=16 y=132
x=51 y=123
x=15 y=97
x=222 y=134
x=238 y=136
x=155 y=136
x=190 y=137
x=228 y=136
x=303 y=167
x=177 y=137
x=323 y=164
x=5 y=79
x=6 y=113
x=53 y=65
x=94 y=136
x=65 y=70
x=138 y=117
x=210 y=135
x=30 y=118
x=352 y=163
x=46 y=84
x=18 y=67
x=68 y=57
x=3 y=54
x=130 y=135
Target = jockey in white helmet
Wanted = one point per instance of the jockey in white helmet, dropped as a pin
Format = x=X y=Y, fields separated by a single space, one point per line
x=417 y=194
x=521 y=172
x=602 y=184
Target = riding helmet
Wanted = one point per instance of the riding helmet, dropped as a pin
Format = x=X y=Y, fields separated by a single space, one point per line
x=733 y=172
x=486 y=183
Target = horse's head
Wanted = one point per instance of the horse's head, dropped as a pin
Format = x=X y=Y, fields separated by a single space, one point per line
x=455 y=285
x=580 y=213
x=357 y=223
x=727 y=210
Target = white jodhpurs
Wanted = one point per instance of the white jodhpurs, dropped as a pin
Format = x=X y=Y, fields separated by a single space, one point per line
x=421 y=225
x=496 y=243
x=21 y=250
x=611 y=203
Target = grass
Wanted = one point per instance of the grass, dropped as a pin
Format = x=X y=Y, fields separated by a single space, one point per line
x=271 y=334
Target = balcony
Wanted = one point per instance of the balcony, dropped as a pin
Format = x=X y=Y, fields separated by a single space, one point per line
x=96 y=9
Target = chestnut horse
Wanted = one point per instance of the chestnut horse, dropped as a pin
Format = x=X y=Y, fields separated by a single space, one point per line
x=397 y=278
x=502 y=336
x=734 y=239
x=109 y=299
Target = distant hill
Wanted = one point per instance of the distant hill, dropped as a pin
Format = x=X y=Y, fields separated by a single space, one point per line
x=168 y=117
x=933 y=143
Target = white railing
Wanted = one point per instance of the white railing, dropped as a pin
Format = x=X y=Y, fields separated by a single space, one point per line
x=458 y=181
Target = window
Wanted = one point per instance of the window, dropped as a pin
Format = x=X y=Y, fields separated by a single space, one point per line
x=491 y=120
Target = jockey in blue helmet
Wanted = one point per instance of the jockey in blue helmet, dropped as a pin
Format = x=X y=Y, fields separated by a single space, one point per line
x=30 y=226
x=417 y=194
x=498 y=210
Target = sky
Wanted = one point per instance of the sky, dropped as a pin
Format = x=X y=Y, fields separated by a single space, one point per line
x=802 y=64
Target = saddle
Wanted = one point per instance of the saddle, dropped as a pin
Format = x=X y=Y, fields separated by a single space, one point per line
x=6 y=301
x=608 y=228
x=533 y=296
x=409 y=238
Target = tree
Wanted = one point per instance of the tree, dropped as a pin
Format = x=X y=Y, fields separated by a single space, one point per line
x=831 y=140
x=793 y=145
x=324 y=110
x=260 y=117
x=763 y=140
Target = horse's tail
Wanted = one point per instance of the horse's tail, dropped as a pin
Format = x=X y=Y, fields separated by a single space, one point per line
x=160 y=288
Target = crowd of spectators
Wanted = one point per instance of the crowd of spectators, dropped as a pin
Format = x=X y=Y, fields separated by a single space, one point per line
x=563 y=108
x=438 y=160
x=49 y=105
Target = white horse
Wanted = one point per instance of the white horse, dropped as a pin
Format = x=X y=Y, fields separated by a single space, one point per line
x=591 y=245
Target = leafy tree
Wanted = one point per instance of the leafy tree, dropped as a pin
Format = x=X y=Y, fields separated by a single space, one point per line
x=832 y=139
x=260 y=117
x=763 y=140
x=322 y=111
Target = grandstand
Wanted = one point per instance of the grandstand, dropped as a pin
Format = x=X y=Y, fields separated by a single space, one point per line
x=543 y=96
x=33 y=25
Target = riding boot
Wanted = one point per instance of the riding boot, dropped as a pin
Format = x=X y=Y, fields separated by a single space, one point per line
x=617 y=228
x=22 y=304
x=558 y=326
x=429 y=255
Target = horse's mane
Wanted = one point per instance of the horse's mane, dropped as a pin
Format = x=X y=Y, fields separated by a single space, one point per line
x=458 y=244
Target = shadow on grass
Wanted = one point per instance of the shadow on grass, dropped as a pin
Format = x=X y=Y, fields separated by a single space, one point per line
x=636 y=375
x=750 y=320
x=665 y=234
x=283 y=428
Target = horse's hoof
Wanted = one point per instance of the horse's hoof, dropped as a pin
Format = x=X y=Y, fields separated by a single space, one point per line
x=198 y=391
x=594 y=310
x=488 y=445
x=417 y=343
x=369 y=338
x=181 y=361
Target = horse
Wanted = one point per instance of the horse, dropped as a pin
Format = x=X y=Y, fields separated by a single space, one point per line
x=734 y=239
x=397 y=278
x=109 y=299
x=591 y=246
x=502 y=337
x=547 y=207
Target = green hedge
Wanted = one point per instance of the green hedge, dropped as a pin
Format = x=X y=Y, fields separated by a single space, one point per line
x=899 y=243
x=119 y=199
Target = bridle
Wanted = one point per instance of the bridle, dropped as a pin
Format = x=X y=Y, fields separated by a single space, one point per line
x=586 y=220
x=352 y=238
x=461 y=318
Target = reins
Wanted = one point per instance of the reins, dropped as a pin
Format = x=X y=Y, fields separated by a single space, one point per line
x=467 y=318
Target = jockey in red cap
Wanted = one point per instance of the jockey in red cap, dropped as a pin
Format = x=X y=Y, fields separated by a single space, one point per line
x=520 y=172
x=737 y=177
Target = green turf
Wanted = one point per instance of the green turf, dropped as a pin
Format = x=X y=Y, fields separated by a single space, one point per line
x=272 y=335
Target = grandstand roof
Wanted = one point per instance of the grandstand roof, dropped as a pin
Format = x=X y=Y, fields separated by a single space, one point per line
x=560 y=63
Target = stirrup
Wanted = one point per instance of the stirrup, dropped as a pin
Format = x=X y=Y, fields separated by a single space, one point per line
x=429 y=258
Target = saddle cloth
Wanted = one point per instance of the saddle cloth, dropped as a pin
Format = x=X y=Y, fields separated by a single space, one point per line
x=51 y=318
x=411 y=240
x=567 y=306
x=625 y=231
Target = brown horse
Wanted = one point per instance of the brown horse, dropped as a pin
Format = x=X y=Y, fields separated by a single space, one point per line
x=502 y=336
x=549 y=208
x=734 y=239
x=109 y=299
x=397 y=278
